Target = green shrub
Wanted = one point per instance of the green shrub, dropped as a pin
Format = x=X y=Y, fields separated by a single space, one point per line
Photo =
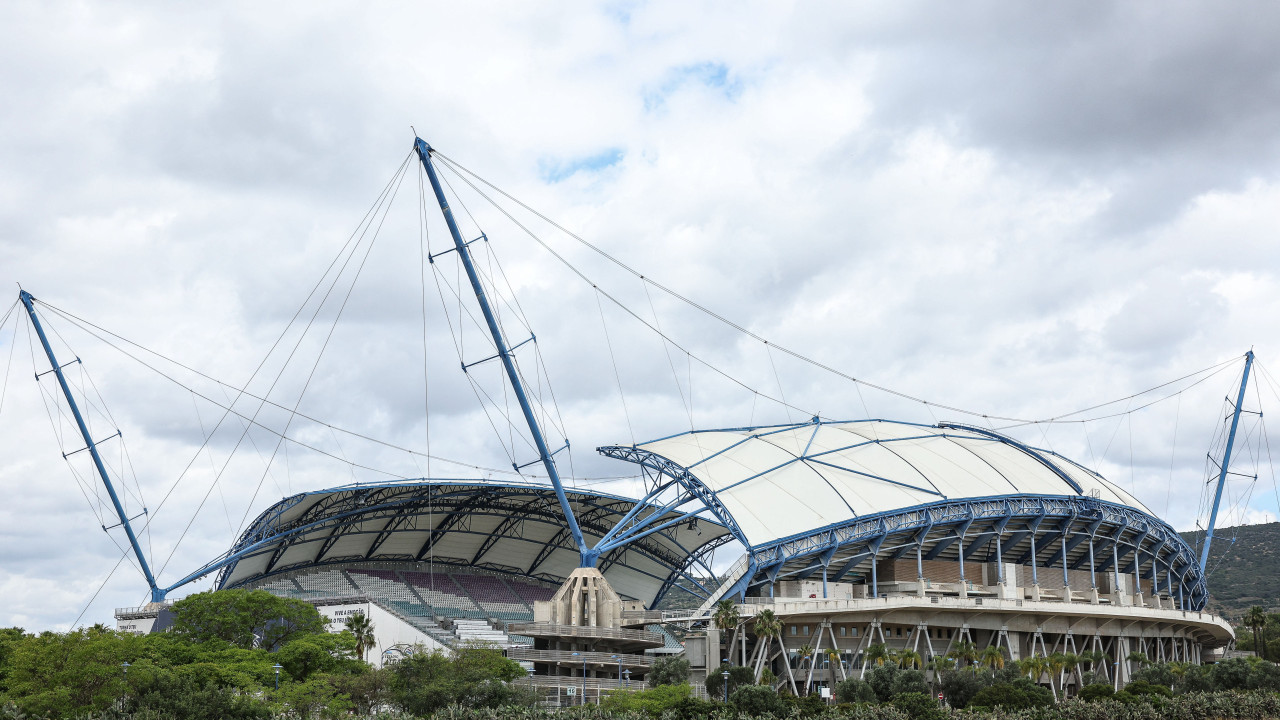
x=670 y=670
x=959 y=687
x=908 y=681
x=1020 y=695
x=918 y=706
x=854 y=690
x=738 y=676
x=757 y=700
x=1096 y=692
x=880 y=678
x=1147 y=690
x=654 y=701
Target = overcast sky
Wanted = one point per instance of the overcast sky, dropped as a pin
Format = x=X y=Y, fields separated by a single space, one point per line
x=1018 y=210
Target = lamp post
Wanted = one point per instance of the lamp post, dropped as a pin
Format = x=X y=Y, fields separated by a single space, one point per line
x=724 y=675
x=627 y=673
x=125 y=666
x=619 y=659
x=277 y=667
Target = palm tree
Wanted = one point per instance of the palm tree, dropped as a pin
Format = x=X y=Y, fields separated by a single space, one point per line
x=362 y=628
x=1256 y=620
x=726 y=617
x=965 y=653
x=909 y=659
x=1073 y=665
x=993 y=658
x=1057 y=663
x=937 y=665
x=805 y=654
x=833 y=662
x=768 y=626
x=877 y=654
x=1035 y=668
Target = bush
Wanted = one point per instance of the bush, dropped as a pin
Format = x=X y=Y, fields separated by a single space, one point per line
x=880 y=678
x=738 y=676
x=1147 y=690
x=473 y=676
x=1020 y=695
x=854 y=690
x=670 y=670
x=918 y=706
x=757 y=700
x=654 y=701
x=959 y=687
x=908 y=681
x=1096 y=692
x=182 y=697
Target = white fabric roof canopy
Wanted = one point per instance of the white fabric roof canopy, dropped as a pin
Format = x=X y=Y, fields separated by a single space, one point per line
x=782 y=481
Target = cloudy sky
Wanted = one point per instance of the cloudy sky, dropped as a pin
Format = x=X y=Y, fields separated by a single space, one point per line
x=1012 y=210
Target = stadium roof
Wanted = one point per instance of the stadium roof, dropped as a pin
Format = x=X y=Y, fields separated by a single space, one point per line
x=832 y=497
x=780 y=481
x=512 y=528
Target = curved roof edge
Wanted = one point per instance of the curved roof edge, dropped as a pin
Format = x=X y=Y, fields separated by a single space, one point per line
x=510 y=527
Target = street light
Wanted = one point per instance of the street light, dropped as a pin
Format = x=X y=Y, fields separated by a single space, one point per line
x=724 y=675
x=627 y=673
x=125 y=665
x=619 y=659
x=277 y=667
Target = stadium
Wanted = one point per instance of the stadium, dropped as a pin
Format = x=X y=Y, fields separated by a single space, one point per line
x=855 y=536
x=855 y=533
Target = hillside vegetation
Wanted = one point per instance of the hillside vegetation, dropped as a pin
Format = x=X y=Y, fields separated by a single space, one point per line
x=1245 y=572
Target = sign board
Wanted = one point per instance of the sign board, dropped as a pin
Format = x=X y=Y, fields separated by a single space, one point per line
x=571 y=691
x=826 y=693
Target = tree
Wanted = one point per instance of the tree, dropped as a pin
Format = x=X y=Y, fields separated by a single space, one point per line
x=767 y=626
x=1036 y=667
x=738 y=677
x=726 y=618
x=1256 y=619
x=1019 y=695
x=757 y=700
x=669 y=670
x=918 y=706
x=474 y=675
x=909 y=659
x=965 y=653
x=361 y=627
x=877 y=654
x=307 y=655
x=854 y=690
x=993 y=658
x=244 y=618
x=908 y=681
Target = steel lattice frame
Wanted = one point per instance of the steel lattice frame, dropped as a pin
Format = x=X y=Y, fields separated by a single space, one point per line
x=382 y=510
x=1077 y=527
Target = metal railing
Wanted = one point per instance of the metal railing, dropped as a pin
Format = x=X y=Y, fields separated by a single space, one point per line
x=571 y=658
x=586 y=631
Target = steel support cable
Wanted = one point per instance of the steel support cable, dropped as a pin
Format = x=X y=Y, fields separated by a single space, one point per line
x=616 y=375
x=241 y=391
x=293 y=413
x=460 y=169
x=1271 y=385
x=302 y=393
x=13 y=343
x=613 y=299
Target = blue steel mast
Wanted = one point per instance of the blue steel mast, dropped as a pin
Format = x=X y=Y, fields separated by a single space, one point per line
x=588 y=555
x=156 y=593
x=1226 y=462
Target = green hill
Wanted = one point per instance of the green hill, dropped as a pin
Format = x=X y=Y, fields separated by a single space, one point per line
x=1245 y=572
